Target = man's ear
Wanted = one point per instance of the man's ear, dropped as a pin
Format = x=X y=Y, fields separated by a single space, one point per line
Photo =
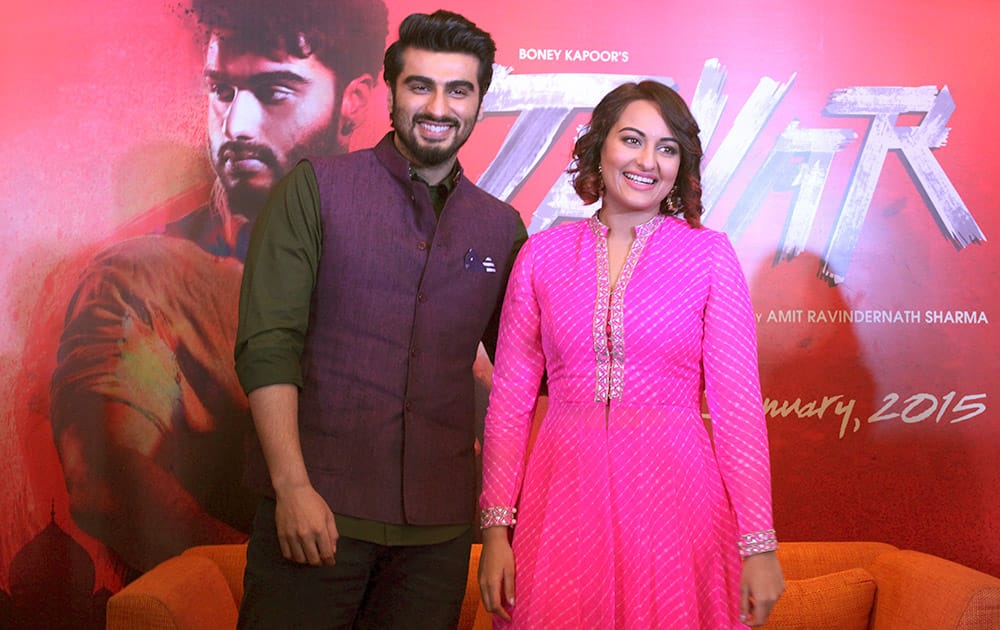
x=354 y=104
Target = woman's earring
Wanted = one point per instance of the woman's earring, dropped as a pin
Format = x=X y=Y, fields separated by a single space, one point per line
x=672 y=206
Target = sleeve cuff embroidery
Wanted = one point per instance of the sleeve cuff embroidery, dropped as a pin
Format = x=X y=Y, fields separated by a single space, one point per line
x=498 y=516
x=757 y=542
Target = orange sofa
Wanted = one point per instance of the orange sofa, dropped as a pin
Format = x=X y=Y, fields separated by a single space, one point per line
x=830 y=586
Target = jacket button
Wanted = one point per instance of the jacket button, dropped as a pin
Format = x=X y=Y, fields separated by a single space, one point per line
x=421 y=297
x=408 y=406
x=422 y=245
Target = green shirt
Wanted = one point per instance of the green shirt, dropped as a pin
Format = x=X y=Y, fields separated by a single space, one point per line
x=274 y=356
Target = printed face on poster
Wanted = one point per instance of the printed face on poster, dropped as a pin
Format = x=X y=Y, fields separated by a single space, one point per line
x=846 y=158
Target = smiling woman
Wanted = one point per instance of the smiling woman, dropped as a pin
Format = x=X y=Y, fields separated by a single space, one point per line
x=623 y=465
x=639 y=164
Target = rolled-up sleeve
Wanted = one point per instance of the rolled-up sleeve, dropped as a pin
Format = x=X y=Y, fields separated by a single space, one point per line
x=278 y=283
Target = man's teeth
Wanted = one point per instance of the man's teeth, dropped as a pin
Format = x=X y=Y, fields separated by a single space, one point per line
x=435 y=128
x=640 y=179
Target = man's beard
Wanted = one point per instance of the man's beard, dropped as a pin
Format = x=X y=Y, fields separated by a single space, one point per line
x=243 y=195
x=428 y=155
x=247 y=197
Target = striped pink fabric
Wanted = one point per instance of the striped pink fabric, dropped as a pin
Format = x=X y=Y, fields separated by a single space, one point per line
x=627 y=517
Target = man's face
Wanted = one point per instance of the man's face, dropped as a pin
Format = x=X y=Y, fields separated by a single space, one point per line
x=434 y=105
x=264 y=114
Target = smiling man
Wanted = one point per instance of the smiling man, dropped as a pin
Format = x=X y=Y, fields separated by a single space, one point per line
x=370 y=281
x=147 y=413
x=432 y=121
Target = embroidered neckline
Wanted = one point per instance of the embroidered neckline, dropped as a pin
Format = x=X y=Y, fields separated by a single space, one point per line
x=641 y=230
x=608 y=323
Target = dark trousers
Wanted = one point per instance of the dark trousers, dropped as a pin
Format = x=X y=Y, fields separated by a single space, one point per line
x=370 y=587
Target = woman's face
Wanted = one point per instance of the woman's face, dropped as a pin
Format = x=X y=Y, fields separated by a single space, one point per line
x=639 y=160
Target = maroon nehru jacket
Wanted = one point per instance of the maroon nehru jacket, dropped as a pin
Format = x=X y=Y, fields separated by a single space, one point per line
x=401 y=302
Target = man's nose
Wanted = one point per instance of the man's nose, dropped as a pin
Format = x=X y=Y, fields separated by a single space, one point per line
x=243 y=117
x=437 y=104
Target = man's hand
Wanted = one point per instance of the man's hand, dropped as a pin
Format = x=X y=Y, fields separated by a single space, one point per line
x=307 y=531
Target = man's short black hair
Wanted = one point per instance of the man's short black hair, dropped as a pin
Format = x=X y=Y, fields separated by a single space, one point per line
x=346 y=36
x=441 y=31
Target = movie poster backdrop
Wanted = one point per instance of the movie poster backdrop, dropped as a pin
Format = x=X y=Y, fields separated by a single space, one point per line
x=849 y=157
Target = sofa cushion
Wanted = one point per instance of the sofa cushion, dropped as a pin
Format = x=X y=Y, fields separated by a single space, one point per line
x=184 y=592
x=836 y=601
x=918 y=591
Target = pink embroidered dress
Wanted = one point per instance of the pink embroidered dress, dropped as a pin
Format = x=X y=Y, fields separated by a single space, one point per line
x=626 y=517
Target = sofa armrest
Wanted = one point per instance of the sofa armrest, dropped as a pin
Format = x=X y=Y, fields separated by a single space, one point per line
x=187 y=592
x=232 y=562
x=805 y=560
x=921 y=591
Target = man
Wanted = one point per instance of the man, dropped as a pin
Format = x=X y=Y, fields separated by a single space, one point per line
x=282 y=83
x=148 y=416
x=370 y=281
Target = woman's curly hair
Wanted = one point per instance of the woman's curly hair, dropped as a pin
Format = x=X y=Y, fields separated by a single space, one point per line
x=586 y=172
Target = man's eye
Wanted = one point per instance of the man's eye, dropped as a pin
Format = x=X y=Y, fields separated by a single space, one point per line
x=460 y=92
x=223 y=92
x=273 y=94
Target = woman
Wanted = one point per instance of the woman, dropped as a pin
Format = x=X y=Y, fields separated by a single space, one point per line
x=631 y=512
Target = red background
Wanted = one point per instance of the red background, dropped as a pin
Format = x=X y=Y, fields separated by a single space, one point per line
x=103 y=117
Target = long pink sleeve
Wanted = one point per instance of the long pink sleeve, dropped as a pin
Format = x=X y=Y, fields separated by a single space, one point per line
x=520 y=364
x=732 y=388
